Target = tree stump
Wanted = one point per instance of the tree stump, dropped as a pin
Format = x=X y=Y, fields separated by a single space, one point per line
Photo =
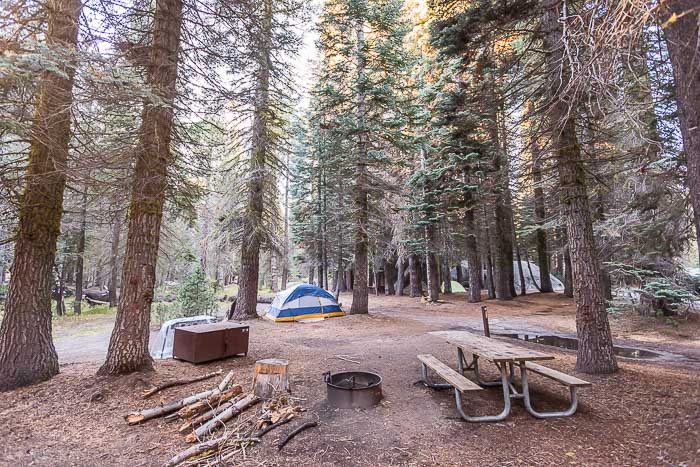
x=270 y=378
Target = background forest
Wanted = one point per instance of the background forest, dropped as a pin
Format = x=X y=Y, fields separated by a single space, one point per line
x=173 y=152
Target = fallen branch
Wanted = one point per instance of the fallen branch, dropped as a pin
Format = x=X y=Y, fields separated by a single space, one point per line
x=206 y=416
x=223 y=417
x=178 y=382
x=207 y=446
x=138 y=417
x=291 y=435
x=344 y=358
x=271 y=427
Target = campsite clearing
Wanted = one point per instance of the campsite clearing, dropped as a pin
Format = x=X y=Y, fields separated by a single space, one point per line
x=647 y=413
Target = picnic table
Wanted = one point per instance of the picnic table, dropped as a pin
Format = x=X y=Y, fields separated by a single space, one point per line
x=506 y=357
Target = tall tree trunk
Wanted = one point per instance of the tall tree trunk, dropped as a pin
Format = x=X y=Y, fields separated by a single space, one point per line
x=446 y=275
x=114 y=261
x=79 y=256
x=540 y=218
x=285 y=245
x=389 y=273
x=595 y=349
x=413 y=277
x=247 y=298
x=521 y=274
x=273 y=271
x=128 y=346
x=400 y=267
x=568 y=273
x=473 y=262
x=360 y=293
x=683 y=44
x=27 y=353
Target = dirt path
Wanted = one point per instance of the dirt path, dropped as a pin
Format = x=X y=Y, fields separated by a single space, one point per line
x=647 y=414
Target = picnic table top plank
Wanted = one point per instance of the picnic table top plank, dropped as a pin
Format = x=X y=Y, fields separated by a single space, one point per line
x=489 y=348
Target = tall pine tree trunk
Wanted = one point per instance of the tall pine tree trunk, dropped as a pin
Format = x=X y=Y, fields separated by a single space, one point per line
x=540 y=218
x=79 y=256
x=114 y=261
x=285 y=245
x=360 y=292
x=595 y=348
x=683 y=44
x=128 y=346
x=473 y=263
x=247 y=299
x=400 y=272
x=414 y=279
x=27 y=353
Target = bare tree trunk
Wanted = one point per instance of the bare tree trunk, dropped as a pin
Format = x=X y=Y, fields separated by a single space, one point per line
x=414 y=280
x=400 y=267
x=446 y=275
x=27 y=353
x=595 y=349
x=433 y=277
x=128 y=346
x=360 y=293
x=389 y=273
x=473 y=263
x=273 y=271
x=285 y=246
x=568 y=274
x=540 y=218
x=247 y=299
x=114 y=261
x=684 y=51
x=79 y=256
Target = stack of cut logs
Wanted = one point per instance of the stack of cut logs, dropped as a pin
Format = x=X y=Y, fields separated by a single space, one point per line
x=201 y=415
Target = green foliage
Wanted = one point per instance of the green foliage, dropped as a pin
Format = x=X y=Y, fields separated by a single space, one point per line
x=196 y=295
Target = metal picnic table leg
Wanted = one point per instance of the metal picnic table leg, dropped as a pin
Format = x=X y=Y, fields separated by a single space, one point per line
x=474 y=366
x=428 y=381
x=506 y=401
x=528 y=405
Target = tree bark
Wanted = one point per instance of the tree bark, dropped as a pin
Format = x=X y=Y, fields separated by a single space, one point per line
x=252 y=235
x=684 y=51
x=414 y=280
x=473 y=263
x=540 y=218
x=360 y=292
x=389 y=274
x=27 y=353
x=446 y=275
x=285 y=245
x=433 y=277
x=79 y=256
x=595 y=349
x=128 y=346
x=114 y=261
x=401 y=272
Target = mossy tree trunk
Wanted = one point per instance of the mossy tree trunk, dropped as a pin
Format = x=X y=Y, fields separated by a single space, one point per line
x=27 y=353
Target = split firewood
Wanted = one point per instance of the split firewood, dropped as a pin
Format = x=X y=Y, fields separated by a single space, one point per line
x=178 y=382
x=161 y=410
x=207 y=446
x=206 y=416
x=291 y=435
x=206 y=404
x=220 y=419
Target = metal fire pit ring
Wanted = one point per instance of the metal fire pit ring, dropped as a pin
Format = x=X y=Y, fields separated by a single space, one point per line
x=353 y=389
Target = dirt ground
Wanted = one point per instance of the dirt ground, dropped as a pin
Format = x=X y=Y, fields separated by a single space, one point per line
x=646 y=414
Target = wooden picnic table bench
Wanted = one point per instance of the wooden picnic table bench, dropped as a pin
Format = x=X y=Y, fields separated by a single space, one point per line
x=506 y=356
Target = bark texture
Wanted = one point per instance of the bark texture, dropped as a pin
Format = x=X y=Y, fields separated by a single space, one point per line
x=128 y=346
x=683 y=44
x=27 y=353
x=79 y=257
x=252 y=229
x=595 y=348
x=545 y=284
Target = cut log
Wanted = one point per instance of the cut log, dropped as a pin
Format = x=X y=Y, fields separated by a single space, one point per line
x=137 y=417
x=206 y=404
x=178 y=382
x=206 y=416
x=219 y=420
x=207 y=446
x=270 y=378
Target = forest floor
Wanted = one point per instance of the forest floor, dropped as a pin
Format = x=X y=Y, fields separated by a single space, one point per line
x=646 y=414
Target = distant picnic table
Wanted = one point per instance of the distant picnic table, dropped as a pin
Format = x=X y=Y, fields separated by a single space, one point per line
x=506 y=357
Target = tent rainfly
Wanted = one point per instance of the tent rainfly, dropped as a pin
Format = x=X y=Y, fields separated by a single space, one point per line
x=303 y=301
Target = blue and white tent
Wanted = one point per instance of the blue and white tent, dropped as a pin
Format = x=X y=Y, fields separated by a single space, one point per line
x=303 y=301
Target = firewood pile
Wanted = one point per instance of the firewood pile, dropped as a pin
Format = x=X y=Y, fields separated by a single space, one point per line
x=223 y=422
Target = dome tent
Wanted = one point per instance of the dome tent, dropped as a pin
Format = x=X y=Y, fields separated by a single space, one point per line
x=303 y=301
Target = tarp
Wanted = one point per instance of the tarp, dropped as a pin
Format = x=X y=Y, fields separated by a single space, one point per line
x=162 y=346
x=303 y=301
